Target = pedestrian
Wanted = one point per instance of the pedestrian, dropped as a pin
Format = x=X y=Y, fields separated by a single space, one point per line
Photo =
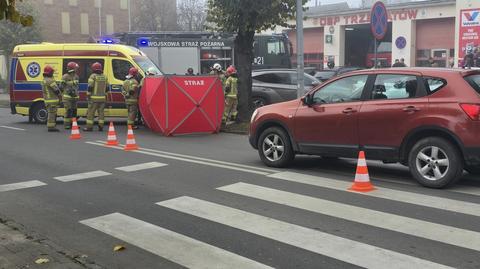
x=96 y=96
x=190 y=72
x=476 y=57
x=402 y=62
x=69 y=86
x=397 y=63
x=231 y=98
x=451 y=62
x=51 y=97
x=130 y=91
x=432 y=62
x=151 y=71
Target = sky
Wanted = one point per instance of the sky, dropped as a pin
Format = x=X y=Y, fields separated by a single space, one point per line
x=352 y=3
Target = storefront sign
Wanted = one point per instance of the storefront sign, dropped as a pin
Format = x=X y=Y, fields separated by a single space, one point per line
x=364 y=18
x=469 y=31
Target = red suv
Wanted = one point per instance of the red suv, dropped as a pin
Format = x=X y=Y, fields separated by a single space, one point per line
x=425 y=118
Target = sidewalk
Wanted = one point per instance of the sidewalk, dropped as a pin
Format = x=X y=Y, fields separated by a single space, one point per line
x=19 y=251
x=4 y=100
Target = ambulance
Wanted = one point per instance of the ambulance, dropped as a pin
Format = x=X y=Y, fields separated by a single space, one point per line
x=27 y=65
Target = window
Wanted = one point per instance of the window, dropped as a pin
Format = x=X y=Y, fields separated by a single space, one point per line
x=434 y=84
x=343 y=90
x=395 y=87
x=145 y=63
x=84 y=26
x=307 y=80
x=275 y=47
x=279 y=78
x=84 y=70
x=65 y=23
x=123 y=4
x=109 y=19
x=48 y=2
x=72 y=2
x=474 y=81
x=120 y=68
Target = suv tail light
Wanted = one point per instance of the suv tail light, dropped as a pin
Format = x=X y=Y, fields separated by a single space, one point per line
x=472 y=110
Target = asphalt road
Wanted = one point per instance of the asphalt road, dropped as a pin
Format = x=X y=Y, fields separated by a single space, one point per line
x=207 y=201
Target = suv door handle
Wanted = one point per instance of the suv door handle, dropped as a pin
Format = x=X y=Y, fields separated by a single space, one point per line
x=349 y=110
x=411 y=109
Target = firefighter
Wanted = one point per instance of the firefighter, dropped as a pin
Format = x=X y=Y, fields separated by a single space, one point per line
x=70 y=93
x=96 y=96
x=51 y=96
x=217 y=70
x=231 y=98
x=130 y=91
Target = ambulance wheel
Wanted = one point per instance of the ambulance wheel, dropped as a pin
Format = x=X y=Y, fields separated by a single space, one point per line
x=39 y=113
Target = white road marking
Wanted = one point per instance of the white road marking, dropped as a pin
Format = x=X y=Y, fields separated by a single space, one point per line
x=13 y=128
x=81 y=176
x=433 y=231
x=347 y=250
x=390 y=194
x=175 y=247
x=231 y=166
x=472 y=190
x=141 y=166
x=21 y=185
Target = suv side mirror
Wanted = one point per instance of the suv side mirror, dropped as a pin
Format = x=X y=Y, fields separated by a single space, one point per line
x=307 y=100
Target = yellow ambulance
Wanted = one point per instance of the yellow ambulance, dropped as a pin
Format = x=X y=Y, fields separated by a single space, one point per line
x=29 y=60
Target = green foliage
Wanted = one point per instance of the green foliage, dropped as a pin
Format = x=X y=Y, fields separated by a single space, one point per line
x=12 y=34
x=250 y=15
x=8 y=11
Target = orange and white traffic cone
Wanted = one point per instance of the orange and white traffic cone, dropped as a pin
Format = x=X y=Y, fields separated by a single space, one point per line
x=75 y=130
x=362 y=179
x=111 y=136
x=130 y=144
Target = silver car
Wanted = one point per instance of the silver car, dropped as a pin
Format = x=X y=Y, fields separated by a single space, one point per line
x=277 y=85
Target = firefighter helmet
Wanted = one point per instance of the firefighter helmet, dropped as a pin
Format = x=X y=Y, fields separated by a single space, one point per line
x=96 y=67
x=151 y=71
x=217 y=67
x=48 y=71
x=71 y=66
x=133 y=72
x=231 y=70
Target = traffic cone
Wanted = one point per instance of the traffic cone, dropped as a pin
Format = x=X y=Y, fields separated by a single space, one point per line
x=75 y=130
x=111 y=136
x=130 y=144
x=362 y=179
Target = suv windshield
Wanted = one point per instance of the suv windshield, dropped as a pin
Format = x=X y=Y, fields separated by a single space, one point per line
x=145 y=63
x=474 y=81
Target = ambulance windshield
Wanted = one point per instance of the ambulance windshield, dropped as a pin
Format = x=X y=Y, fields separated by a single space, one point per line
x=145 y=63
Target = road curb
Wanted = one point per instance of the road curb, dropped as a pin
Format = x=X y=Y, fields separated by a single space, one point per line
x=4 y=103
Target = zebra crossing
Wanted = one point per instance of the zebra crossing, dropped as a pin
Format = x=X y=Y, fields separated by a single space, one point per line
x=193 y=253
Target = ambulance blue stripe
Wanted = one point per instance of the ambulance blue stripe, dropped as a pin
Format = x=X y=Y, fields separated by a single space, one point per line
x=38 y=87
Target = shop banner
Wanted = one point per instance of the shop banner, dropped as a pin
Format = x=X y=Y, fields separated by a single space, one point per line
x=469 y=31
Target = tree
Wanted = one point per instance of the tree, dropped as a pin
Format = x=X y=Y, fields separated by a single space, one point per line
x=8 y=11
x=244 y=18
x=155 y=15
x=192 y=15
x=12 y=33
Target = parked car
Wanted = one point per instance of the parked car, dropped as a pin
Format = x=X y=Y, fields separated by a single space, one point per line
x=326 y=74
x=277 y=85
x=427 y=119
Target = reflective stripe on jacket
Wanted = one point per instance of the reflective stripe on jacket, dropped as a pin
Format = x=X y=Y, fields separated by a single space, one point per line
x=98 y=85
x=130 y=90
x=70 y=86
x=50 y=91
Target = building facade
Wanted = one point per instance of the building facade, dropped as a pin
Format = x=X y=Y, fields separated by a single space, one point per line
x=442 y=30
x=85 y=20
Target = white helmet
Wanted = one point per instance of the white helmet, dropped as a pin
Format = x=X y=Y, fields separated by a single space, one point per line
x=217 y=67
x=151 y=71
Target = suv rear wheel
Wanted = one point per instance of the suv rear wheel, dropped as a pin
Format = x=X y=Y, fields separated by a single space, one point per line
x=274 y=147
x=435 y=162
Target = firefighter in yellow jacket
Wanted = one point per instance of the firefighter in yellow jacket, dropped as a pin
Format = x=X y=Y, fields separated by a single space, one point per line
x=96 y=95
x=70 y=94
x=130 y=91
x=51 y=96
x=231 y=92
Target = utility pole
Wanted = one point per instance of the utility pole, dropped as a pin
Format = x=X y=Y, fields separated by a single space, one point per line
x=300 y=66
x=129 y=17
x=99 y=17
